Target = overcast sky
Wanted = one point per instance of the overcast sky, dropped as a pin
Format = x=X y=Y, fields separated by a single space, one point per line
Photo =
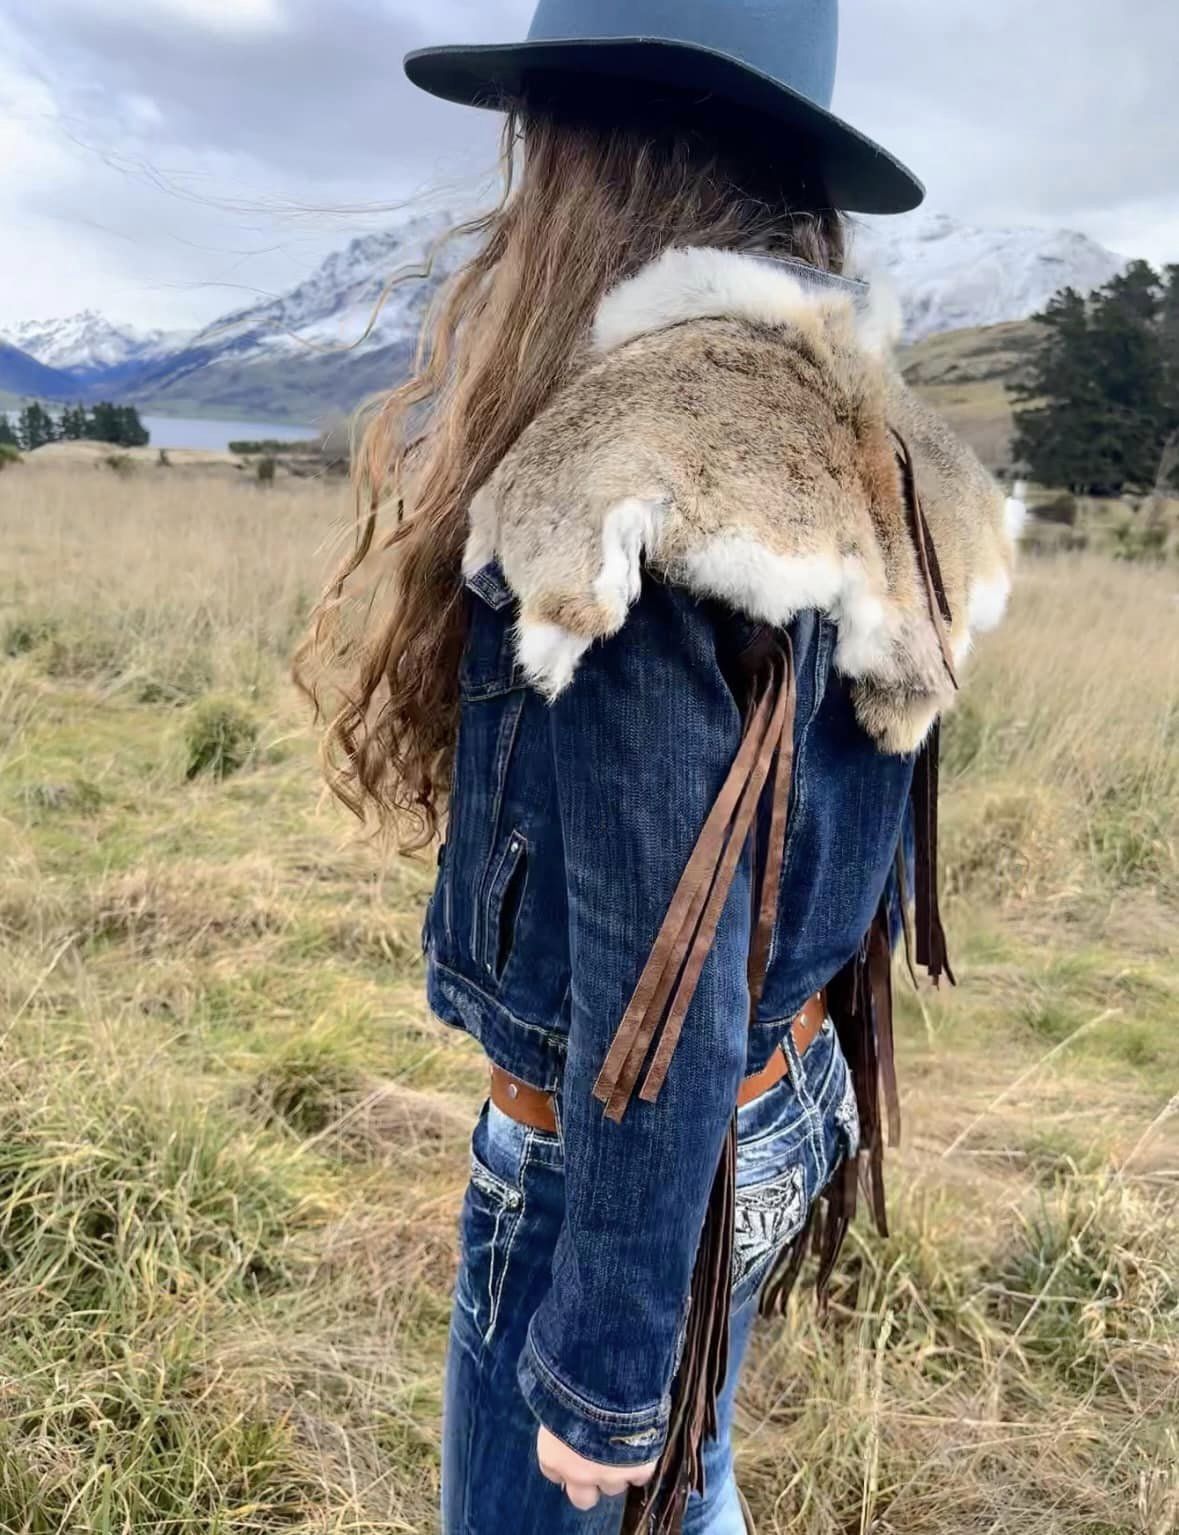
x=164 y=160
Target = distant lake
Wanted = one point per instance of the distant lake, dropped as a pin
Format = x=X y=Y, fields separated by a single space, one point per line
x=215 y=436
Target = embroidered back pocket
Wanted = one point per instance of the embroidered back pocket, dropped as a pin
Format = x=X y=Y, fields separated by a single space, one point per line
x=767 y=1217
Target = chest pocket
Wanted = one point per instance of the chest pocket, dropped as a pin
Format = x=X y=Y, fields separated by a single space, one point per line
x=489 y=668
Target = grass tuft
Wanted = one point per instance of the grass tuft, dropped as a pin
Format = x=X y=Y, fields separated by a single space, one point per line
x=219 y=737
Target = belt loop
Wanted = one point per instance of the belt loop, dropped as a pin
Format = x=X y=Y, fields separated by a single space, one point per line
x=559 y=1114
x=797 y=1067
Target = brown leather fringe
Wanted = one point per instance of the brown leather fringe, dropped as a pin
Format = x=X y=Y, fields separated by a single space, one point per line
x=658 y=1508
x=932 y=951
x=660 y=1003
x=901 y=874
x=927 y=560
x=860 y=1004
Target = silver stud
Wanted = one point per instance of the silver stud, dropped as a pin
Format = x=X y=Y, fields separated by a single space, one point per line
x=513 y=1090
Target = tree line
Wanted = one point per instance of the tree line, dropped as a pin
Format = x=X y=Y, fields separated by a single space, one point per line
x=35 y=426
x=1098 y=413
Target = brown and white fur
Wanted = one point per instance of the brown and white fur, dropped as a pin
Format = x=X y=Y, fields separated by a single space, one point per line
x=732 y=431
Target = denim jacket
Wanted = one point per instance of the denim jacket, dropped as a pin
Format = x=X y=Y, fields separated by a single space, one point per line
x=570 y=825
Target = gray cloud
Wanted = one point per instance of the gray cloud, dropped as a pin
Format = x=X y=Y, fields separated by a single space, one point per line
x=172 y=147
x=1049 y=110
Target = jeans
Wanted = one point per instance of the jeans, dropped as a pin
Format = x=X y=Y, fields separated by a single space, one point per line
x=790 y=1142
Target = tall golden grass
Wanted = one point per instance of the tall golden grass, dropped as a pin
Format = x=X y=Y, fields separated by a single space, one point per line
x=232 y=1141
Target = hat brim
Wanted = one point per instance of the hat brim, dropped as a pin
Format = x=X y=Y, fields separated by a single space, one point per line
x=858 y=175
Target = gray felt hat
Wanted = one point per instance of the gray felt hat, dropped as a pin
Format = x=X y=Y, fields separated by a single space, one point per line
x=767 y=61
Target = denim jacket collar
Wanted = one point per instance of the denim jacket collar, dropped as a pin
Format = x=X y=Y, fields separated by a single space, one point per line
x=814 y=280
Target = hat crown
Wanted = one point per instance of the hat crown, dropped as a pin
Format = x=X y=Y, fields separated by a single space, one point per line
x=794 y=41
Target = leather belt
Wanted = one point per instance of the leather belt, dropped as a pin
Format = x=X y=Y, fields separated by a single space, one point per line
x=535 y=1109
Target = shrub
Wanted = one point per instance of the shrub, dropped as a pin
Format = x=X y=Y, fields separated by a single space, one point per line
x=220 y=738
x=306 y=1088
x=1062 y=509
x=121 y=463
x=8 y=454
x=21 y=635
x=247 y=447
x=80 y=795
x=265 y=470
x=1135 y=543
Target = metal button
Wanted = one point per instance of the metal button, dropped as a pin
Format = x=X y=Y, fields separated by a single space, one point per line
x=513 y=1090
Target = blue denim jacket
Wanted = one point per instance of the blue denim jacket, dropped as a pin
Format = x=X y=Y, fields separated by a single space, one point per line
x=570 y=825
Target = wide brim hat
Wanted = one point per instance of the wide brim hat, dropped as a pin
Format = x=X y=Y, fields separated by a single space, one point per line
x=701 y=53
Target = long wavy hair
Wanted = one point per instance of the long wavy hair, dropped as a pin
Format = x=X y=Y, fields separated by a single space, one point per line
x=584 y=205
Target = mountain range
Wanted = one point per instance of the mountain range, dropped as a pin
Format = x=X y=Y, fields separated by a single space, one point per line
x=344 y=333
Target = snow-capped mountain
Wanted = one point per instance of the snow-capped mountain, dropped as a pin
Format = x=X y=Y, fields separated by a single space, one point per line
x=86 y=344
x=319 y=349
x=336 y=306
x=344 y=333
x=951 y=276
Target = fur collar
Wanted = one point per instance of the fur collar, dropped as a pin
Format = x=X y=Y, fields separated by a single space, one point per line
x=731 y=427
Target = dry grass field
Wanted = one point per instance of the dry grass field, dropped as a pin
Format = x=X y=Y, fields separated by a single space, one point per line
x=232 y=1141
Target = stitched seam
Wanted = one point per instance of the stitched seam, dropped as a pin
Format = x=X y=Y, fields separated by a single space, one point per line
x=505 y=745
x=495 y=1285
x=491 y=1183
x=492 y=1288
x=504 y=870
x=480 y=692
x=522 y=1190
x=806 y=1097
x=643 y=1417
x=474 y=1410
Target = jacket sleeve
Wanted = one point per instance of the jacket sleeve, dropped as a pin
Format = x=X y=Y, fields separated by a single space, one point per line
x=642 y=740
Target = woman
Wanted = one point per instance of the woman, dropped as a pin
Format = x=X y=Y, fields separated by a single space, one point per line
x=680 y=578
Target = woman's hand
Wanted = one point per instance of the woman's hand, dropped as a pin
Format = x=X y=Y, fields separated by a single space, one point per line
x=584 y=1481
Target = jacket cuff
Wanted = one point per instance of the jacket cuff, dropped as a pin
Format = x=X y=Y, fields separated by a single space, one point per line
x=606 y=1437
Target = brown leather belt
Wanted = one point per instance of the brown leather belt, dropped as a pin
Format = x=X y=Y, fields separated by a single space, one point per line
x=533 y=1108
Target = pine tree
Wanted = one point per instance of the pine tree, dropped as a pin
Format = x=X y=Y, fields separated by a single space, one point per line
x=1063 y=398
x=1095 y=412
x=117 y=424
x=1168 y=474
x=102 y=424
x=133 y=432
x=8 y=438
x=35 y=427
x=1126 y=332
x=73 y=423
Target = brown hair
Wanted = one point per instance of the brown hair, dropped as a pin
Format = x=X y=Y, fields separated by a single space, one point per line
x=584 y=206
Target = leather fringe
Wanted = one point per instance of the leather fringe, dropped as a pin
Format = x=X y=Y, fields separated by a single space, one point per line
x=658 y=1508
x=860 y=1002
x=659 y=1006
x=656 y=1016
x=932 y=950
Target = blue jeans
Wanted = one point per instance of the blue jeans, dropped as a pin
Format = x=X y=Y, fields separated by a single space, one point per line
x=790 y=1140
